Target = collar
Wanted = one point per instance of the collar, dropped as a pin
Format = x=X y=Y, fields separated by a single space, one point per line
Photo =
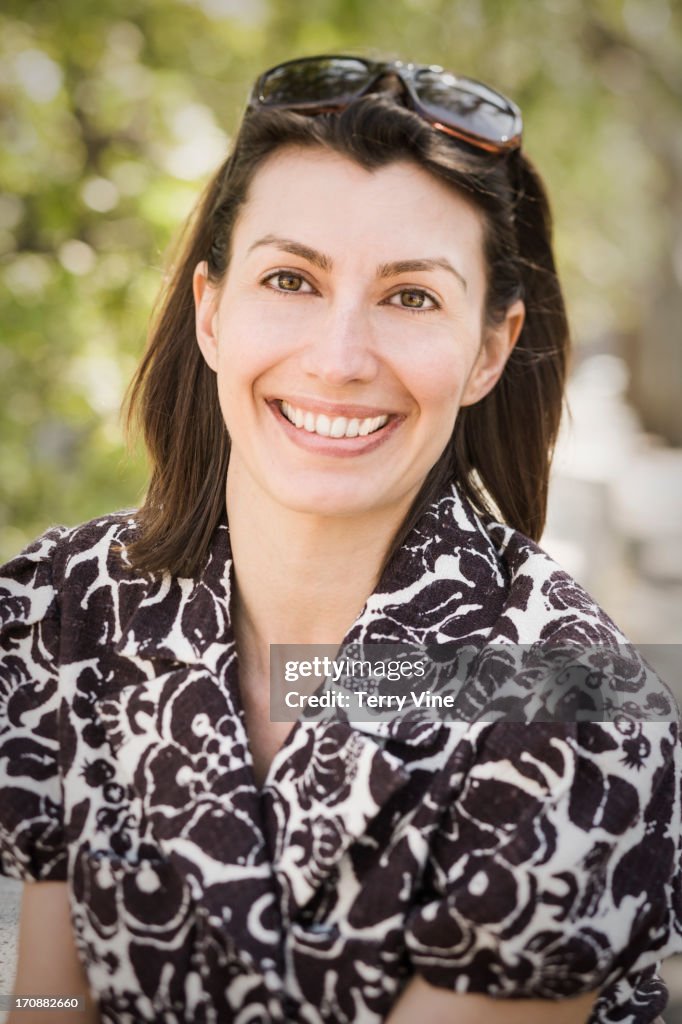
x=446 y=582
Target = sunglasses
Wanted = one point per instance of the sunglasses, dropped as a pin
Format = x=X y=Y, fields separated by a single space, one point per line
x=461 y=107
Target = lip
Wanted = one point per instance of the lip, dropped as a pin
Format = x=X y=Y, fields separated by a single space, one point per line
x=332 y=409
x=341 y=447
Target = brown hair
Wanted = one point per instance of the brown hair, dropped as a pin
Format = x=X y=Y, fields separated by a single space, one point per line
x=500 y=450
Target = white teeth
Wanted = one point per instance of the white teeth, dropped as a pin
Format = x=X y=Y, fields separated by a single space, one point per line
x=323 y=425
x=340 y=426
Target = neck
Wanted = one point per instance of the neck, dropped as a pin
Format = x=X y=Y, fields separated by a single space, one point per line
x=301 y=578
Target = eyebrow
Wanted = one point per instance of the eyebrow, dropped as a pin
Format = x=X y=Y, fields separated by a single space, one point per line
x=324 y=262
x=412 y=266
x=318 y=259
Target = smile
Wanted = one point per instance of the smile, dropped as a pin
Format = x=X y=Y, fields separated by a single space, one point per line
x=327 y=426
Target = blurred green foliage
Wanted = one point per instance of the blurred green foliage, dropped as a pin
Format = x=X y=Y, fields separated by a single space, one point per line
x=114 y=113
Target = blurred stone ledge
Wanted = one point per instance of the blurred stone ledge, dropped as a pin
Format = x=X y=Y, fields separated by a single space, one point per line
x=615 y=509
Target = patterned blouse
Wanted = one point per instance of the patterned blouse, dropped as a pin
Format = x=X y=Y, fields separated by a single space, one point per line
x=534 y=860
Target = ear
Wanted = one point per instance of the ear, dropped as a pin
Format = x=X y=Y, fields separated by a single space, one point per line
x=206 y=297
x=495 y=350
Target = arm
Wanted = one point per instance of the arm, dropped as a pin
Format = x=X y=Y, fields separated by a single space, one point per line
x=423 y=1002
x=48 y=962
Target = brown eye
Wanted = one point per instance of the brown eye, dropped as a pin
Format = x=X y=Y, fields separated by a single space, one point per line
x=289 y=282
x=413 y=298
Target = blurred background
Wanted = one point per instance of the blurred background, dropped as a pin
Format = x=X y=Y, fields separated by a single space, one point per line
x=114 y=113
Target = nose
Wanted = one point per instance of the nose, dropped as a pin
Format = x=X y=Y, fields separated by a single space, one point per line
x=342 y=352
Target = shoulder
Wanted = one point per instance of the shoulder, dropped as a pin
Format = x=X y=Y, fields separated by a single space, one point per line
x=544 y=602
x=62 y=560
x=105 y=539
x=525 y=596
x=565 y=649
x=59 y=543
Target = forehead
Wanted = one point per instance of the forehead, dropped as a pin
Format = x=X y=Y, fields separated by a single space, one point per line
x=330 y=202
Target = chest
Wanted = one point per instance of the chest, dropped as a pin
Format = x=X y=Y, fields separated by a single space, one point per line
x=185 y=878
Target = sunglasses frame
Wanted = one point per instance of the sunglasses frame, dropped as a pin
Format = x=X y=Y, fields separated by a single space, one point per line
x=407 y=74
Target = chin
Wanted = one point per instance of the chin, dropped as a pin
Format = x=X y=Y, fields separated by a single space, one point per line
x=325 y=505
x=332 y=502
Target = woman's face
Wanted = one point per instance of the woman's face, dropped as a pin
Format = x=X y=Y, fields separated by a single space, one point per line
x=348 y=331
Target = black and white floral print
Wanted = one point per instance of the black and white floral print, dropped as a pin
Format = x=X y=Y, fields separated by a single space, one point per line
x=532 y=860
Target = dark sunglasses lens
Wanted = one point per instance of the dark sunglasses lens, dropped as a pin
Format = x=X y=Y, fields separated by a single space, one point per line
x=470 y=106
x=314 y=82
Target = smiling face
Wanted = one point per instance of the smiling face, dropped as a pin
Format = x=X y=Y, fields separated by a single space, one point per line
x=348 y=332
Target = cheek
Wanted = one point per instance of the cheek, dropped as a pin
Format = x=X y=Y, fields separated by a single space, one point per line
x=438 y=380
x=243 y=355
x=232 y=381
x=254 y=339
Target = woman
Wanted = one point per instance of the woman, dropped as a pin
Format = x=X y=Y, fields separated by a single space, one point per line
x=380 y=363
